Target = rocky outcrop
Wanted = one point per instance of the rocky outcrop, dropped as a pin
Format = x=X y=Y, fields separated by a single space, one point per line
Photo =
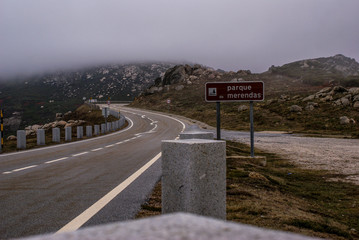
x=338 y=96
x=179 y=76
x=296 y=109
x=32 y=129
x=243 y=108
x=11 y=138
x=344 y=120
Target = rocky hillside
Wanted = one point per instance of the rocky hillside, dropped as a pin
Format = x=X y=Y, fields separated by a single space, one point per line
x=291 y=104
x=36 y=99
x=321 y=71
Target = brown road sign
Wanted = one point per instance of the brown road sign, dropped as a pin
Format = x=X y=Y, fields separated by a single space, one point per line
x=234 y=91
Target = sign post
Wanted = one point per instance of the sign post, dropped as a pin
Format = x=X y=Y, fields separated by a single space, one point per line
x=218 y=121
x=251 y=126
x=235 y=92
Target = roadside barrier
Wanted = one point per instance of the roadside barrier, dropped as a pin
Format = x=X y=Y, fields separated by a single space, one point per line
x=56 y=136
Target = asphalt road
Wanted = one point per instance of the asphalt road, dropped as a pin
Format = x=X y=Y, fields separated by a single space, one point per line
x=83 y=183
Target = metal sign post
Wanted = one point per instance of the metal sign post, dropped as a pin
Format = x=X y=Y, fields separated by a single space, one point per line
x=235 y=92
x=252 y=127
x=218 y=121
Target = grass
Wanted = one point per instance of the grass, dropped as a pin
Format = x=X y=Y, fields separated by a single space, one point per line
x=282 y=196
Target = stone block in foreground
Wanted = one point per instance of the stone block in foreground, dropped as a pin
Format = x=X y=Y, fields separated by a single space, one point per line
x=174 y=226
x=194 y=177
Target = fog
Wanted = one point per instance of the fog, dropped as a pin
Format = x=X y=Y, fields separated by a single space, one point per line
x=46 y=35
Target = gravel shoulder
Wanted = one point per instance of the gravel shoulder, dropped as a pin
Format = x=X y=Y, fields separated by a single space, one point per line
x=339 y=156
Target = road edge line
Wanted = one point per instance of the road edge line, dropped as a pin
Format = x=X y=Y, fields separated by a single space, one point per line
x=81 y=219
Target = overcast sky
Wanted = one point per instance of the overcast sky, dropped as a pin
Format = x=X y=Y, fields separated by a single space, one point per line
x=43 y=35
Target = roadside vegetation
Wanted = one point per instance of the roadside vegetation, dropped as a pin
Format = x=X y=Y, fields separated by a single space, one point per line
x=282 y=196
x=89 y=114
x=273 y=114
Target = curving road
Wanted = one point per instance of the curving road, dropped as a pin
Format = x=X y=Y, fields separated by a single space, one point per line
x=64 y=187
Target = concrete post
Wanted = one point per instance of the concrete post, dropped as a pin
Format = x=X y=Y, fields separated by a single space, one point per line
x=40 y=136
x=96 y=129
x=21 y=139
x=122 y=121
x=80 y=132
x=103 y=128
x=56 y=134
x=113 y=126
x=88 y=131
x=194 y=177
x=117 y=124
x=108 y=127
x=68 y=133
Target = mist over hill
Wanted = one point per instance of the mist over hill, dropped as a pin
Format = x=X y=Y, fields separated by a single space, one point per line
x=36 y=99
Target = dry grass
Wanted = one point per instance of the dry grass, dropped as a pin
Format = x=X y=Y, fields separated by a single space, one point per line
x=284 y=197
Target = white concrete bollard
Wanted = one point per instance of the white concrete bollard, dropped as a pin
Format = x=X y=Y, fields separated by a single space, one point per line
x=56 y=134
x=122 y=121
x=80 y=132
x=21 y=139
x=96 y=129
x=68 y=133
x=103 y=128
x=40 y=136
x=194 y=177
x=88 y=131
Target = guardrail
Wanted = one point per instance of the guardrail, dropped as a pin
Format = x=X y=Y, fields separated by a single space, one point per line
x=90 y=131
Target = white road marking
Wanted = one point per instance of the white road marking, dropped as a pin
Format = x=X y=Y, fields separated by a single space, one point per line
x=97 y=149
x=183 y=125
x=24 y=168
x=80 y=220
x=109 y=145
x=6 y=172
x=56 y=160
x=118 y=143
x=79 y=154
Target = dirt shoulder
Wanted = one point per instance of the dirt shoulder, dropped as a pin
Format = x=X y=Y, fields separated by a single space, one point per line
x=340 y=156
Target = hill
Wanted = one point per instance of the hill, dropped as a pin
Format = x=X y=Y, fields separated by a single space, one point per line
x=286 y=106
x=322 y=71
x=36 y=99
